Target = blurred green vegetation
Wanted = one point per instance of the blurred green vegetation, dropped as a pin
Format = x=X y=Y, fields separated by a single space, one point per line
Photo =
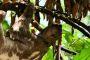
x=49 y=54
x=5 y=25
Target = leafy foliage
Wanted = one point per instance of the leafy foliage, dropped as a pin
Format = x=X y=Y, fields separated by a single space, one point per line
x=5 y=25
x=84 y=55
x=48 y=55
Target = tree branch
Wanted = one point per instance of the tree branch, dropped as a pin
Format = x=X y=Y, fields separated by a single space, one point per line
x=68 y=51
x=71 y=21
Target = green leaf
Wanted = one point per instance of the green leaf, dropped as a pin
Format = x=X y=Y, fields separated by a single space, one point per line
x=48 y=55
x=32 y=1
x=84 y=55
x=5 y=25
